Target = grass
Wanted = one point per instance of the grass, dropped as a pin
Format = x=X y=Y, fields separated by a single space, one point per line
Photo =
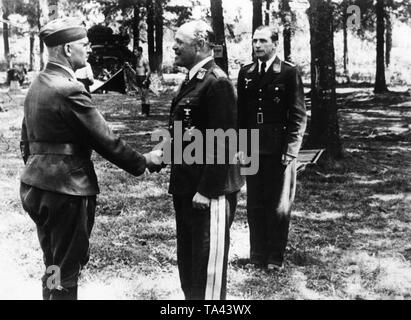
x=350 y=229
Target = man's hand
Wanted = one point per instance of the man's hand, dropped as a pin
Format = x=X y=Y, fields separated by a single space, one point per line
x=200 y=202
x=154 y=160
x=286 y=159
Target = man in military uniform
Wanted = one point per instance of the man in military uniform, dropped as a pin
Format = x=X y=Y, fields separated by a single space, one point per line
x=204 y=194
x=58 y=184
x=271 y=99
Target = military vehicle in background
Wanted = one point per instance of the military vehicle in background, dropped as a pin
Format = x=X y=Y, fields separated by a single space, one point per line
x=109 y=52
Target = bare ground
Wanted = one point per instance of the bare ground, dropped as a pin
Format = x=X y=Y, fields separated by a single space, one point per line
x=350 y=233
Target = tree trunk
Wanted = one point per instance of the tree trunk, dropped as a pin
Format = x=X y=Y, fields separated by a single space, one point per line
x=42 y=20
x=345 y=46
x=380 y=84
x=5 y=34
x=287 y=29
x=257 y=14
x=150 y=35
x=136 y=27
x=267 y=12
x=42 y=62
x=159 y=32
x=31 y=51
x=217 y=18
x=324 y=128
x=388 y=37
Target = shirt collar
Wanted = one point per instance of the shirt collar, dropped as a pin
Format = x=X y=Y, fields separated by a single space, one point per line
x=268 y=63
x=70 y=71
x=198 y=66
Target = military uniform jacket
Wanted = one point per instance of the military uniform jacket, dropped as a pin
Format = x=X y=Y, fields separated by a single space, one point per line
x=207 y=101
x=58 y=111
x=274 y=105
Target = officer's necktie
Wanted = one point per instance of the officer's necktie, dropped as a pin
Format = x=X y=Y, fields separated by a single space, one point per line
x=186 y=79
x=262 y=70
x=185 y=82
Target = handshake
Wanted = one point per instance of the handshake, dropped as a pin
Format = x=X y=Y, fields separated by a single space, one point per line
x=154 y=160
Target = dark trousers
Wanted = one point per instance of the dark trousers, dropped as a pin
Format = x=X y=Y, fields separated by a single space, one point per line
x=203 y=240
x=64 y=225
x=270 y=194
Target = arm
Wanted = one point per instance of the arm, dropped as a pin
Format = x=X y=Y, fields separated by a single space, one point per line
x=221 y=106
x=241 y=110
x=147 y=68
x=24 y=143
x=297 y=117
x=88 y=122
x=241 y=103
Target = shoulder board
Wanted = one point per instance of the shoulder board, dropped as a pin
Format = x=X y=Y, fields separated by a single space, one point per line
x=219 y=73
x=201 y=73
x=250 y=67
x=289 y=63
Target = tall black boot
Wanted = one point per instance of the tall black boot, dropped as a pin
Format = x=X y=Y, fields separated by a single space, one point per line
x=45 y=290
x=46 y=293
x=64 y=294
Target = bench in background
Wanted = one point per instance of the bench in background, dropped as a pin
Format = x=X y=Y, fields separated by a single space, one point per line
x=307 y=157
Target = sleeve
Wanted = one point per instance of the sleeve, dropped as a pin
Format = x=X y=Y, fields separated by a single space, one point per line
x=241 y=100
x=241 y=105
x=94 y=130
x=24 y=143
x=221 y=102
x=297 y=116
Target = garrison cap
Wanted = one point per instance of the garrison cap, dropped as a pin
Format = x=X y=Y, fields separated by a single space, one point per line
x=61 y=31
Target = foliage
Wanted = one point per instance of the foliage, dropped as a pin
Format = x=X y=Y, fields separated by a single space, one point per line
x=286 y=17
x=401 y=9
x=180 y=14
x=111 y=9
x=31 y=10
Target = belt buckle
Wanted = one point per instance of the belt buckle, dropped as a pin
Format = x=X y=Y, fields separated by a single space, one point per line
x=260 y=118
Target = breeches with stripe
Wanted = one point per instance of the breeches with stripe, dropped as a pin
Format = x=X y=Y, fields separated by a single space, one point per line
x=203 y=240
x=270 y=195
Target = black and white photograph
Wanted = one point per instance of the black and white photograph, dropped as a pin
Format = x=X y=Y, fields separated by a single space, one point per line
x=205 y=150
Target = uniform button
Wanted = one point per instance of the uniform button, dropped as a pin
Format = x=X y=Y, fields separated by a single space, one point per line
x=260 y=99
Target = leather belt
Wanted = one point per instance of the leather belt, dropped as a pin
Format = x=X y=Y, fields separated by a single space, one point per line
x=68 y=149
